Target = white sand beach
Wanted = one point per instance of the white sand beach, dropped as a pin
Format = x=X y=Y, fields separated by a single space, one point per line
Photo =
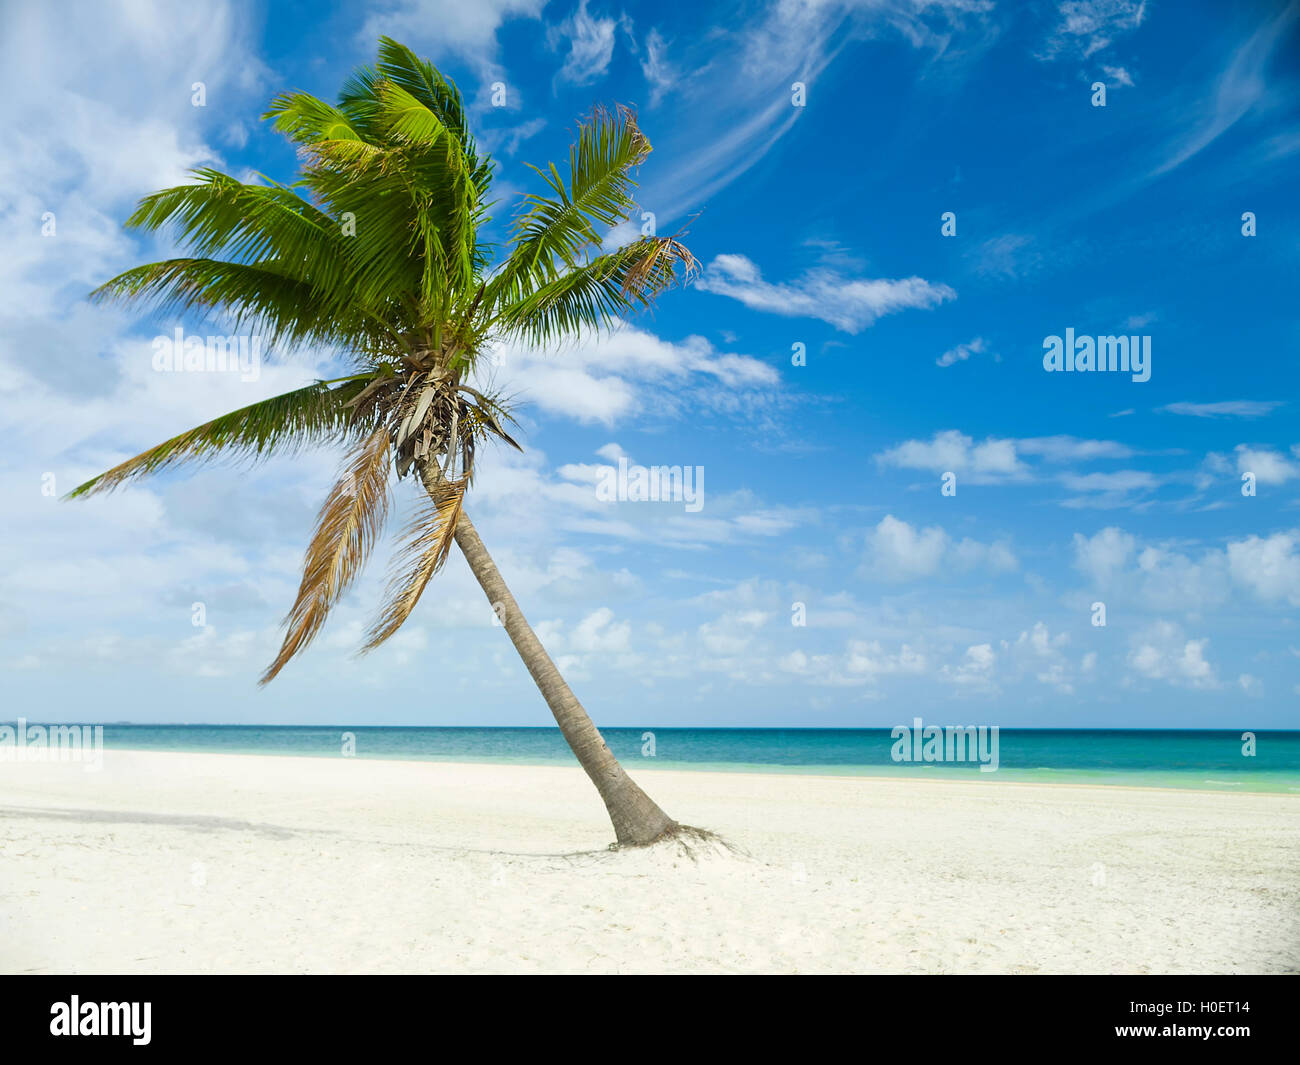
x=181 y=863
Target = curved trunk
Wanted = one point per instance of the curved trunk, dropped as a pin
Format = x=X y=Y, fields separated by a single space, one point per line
x=637 y=818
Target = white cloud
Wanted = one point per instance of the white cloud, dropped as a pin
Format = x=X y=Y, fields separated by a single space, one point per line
x=997 y=460
x=1072 y=448
x=1160 y=578
x=961 y=352
x=449 y=27
x=609 y=377
x=1269 y=467
x=849 y=304
x=1038 y=653
x=1228 y=408
x=1085 y=27
x=1240 y=88
x=1103 y=556
x=1010 y=256
x=951 y=450
x=591 y=44
x=1162 y=652
x=1104 y=490
x=730 y=118
x=733 y=633
x=659 y=73
x=1268 y=566
x=598 y=631
x=869 y=658
x=975 y=670
x=898 y=551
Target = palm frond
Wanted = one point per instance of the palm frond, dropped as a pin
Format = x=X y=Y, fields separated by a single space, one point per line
x=308 y=121
x=489 y=413
x=316 y=414
x=269 y=297
x=598 y=294
x=220 y=216
x=350 y=522
x=429 y=537
x=553 y=234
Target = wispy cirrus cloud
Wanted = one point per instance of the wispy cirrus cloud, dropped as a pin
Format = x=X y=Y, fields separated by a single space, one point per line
x=1119 y=488
x=1240 y=88
x=1085 y=27
x=961 y=352
x=659 y=73
x=1228 y=408
x=590 y=44
x=737 y=97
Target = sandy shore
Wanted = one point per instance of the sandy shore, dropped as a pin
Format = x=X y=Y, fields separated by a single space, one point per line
x=232 y=863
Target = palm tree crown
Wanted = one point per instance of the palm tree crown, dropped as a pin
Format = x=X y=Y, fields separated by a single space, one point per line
x=383 y=260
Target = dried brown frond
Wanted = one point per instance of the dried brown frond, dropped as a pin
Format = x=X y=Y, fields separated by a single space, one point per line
x=429 y=539
x=657 y=268
x=349 y=523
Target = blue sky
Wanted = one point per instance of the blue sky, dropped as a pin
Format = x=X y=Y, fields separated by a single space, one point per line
x=817 y=225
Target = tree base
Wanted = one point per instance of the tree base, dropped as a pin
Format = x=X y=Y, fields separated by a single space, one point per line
x=690 y=840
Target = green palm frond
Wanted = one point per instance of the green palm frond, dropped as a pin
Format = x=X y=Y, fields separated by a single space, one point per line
x=421 y=80
x=555 y=233
x=251 y=223
x=284 y=424
x=308 y=121
x=599 y=294
x=266 y=297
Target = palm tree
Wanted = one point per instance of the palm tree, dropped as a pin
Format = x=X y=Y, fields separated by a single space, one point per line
x=383 y=262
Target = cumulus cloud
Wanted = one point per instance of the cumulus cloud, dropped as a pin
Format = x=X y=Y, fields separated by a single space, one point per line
x=596 y=632
x=1162 y=651
x=870 y=659
x=449 y=27
x=990 y=459
x=1269 y=467
x=898 y=551
x=1037 y=653
x=1103 y=556
x=1268 y=566
x=974 y=670
x=607 y=378
x=850 y=304
x=994 y=460
x=1158 y=577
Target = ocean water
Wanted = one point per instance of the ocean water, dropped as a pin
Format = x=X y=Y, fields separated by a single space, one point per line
x=1207 y=760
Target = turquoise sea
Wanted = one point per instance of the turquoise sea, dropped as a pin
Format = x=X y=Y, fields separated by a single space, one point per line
x=1208 y=760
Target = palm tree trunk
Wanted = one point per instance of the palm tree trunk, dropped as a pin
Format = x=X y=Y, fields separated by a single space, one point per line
x=637 y=818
